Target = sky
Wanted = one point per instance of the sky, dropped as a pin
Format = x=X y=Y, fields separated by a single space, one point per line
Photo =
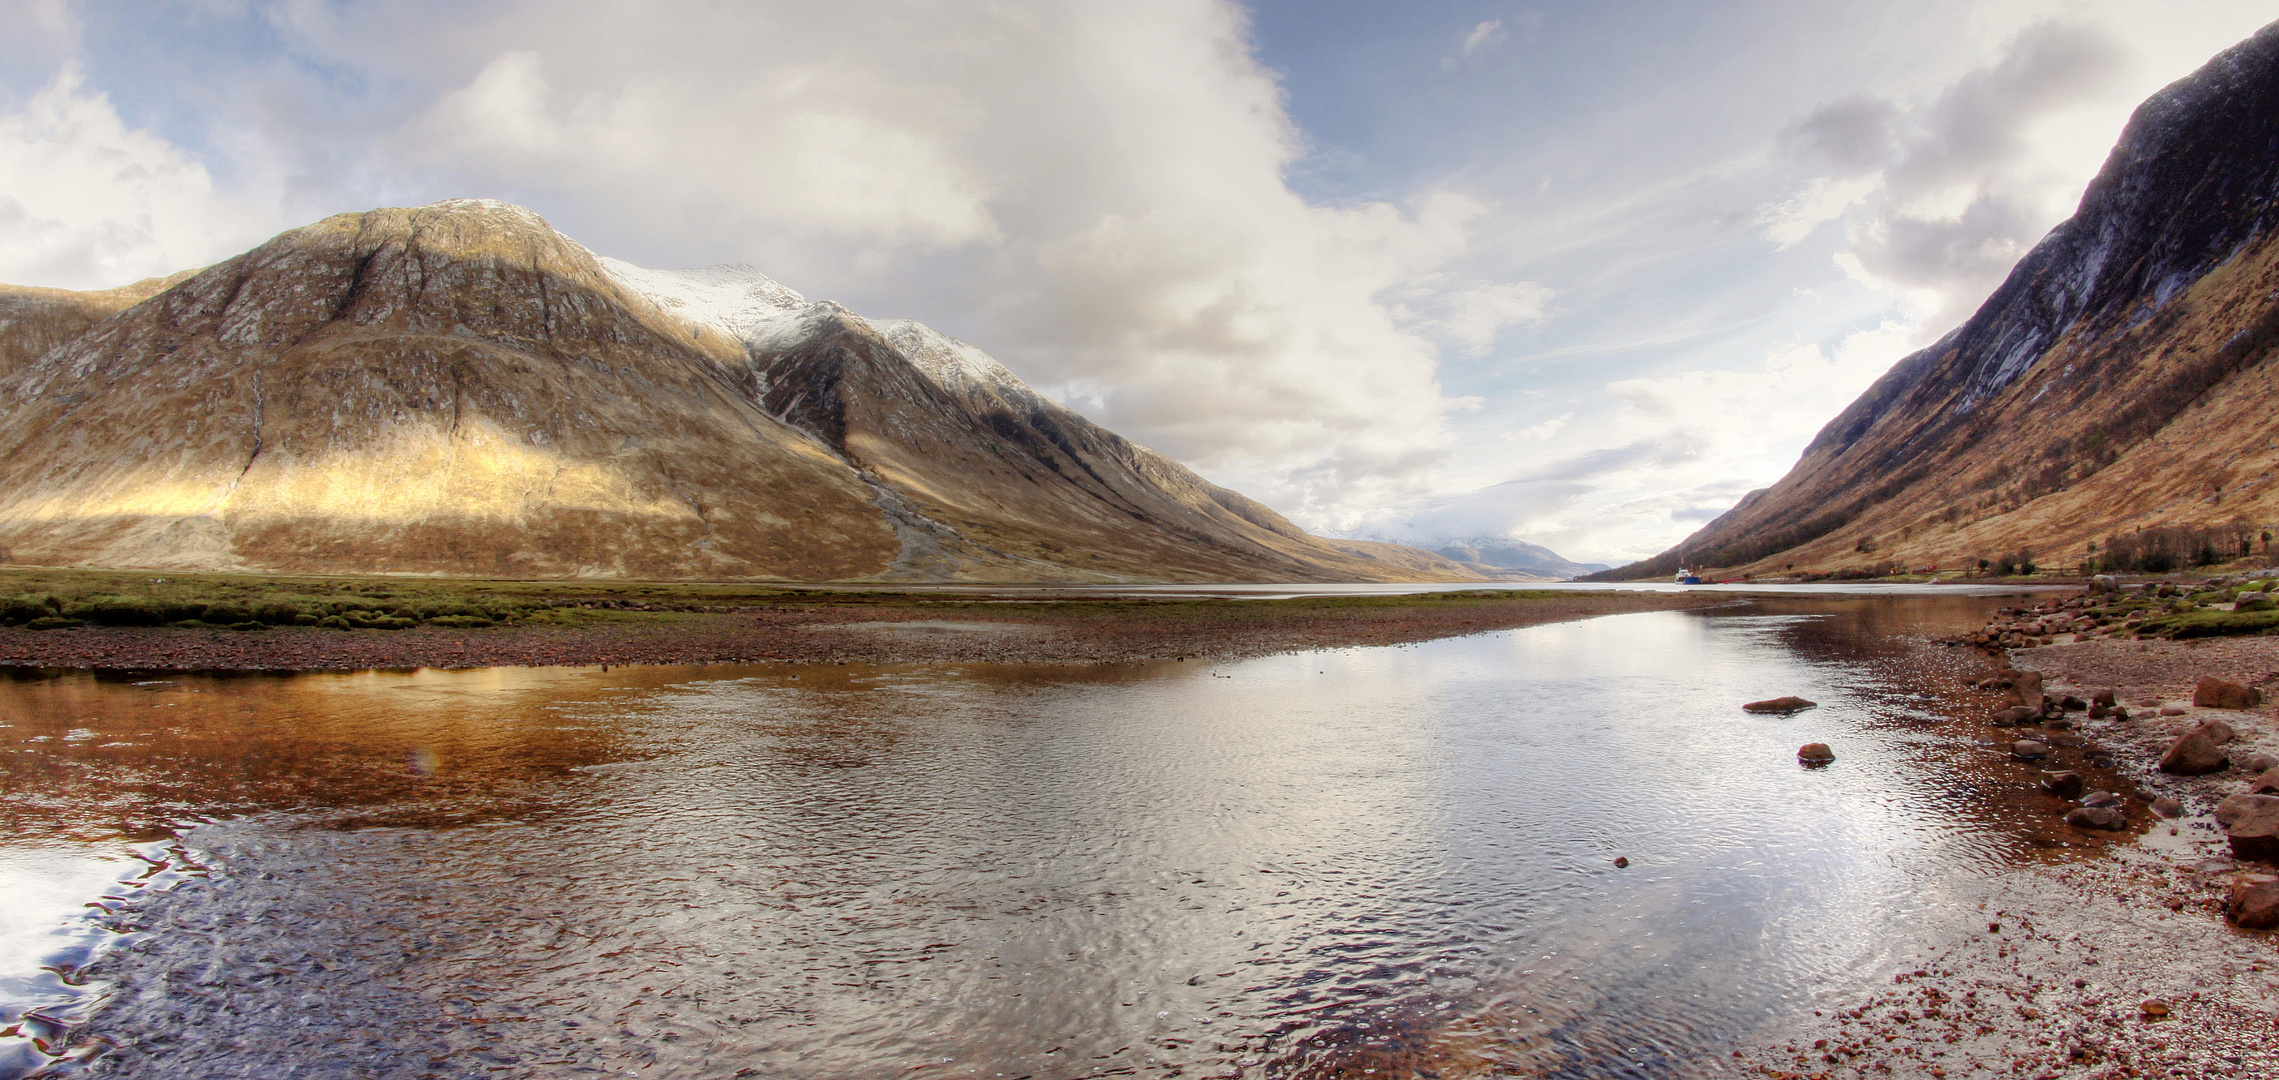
x=1576 y=273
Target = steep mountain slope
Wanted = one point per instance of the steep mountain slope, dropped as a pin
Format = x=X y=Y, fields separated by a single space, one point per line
x=459 y=389
x=2119 y=378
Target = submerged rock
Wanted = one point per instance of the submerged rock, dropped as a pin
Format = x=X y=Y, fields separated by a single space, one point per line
x=2193 y=755
x=2064 y=785
x=2030 y=749
x=1780 y=705
x=2109 y=818
x=2101 y=798
x=1816 y=753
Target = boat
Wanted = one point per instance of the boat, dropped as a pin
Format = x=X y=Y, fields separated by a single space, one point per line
x=1687 y=577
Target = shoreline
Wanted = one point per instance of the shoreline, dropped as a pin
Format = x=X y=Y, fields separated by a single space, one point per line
x=871 y=629
x=2115 y=963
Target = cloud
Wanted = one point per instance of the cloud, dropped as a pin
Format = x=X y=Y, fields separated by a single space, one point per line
x=1680 y=447
x=88 y=202
x=1542 y=432
x=1941 y=199
x=1522 y=506
x=1822 y=201
x=1487 y=33
x=1472 y=317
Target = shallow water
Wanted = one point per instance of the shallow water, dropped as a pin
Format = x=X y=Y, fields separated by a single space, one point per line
x=1364 y=862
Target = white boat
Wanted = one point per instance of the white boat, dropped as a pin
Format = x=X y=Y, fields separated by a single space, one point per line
x=1687 y=577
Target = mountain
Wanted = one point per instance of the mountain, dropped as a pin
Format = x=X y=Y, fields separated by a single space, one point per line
x=2119 y=379
x=1498 y=558
x=460 y=389
x=1492 y=556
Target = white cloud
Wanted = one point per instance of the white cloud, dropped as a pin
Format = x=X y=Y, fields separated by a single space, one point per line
x=1483 y=35
x=1823 y=200
x=1472 y=317
x=88 y=202
x=1674 y=450
x=1543 y=432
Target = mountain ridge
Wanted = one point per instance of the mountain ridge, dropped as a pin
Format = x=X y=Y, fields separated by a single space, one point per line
x=460 y=389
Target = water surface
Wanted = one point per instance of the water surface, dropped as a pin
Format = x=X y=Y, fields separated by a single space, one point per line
x=1365 y=862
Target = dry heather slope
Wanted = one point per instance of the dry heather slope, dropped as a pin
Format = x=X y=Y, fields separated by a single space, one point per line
x=459 y=389
x=2120 y=377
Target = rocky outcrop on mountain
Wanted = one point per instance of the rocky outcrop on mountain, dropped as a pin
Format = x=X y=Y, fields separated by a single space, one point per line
x=34 y=320
x=459 y=389
x=2119 y=379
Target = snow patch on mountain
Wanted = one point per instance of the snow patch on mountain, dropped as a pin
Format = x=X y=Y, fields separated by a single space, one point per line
x=952 y=364
x=743 y=304
x=733 y=299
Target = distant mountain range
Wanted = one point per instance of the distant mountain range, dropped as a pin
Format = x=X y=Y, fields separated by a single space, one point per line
x=1499 y=558
x=2119 y=380
x=460 y=389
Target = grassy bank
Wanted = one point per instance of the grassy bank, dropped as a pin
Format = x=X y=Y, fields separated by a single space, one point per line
x=110 y=619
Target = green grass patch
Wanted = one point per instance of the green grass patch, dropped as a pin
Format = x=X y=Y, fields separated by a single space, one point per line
x=2200 y=624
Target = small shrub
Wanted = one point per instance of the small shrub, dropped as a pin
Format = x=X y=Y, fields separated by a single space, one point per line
x=116 y=611
x=459 y=622
x=276 y=612
x=227 y=613
x=23 y=609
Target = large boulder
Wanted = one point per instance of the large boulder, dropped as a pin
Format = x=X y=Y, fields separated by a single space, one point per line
x=1815 y=753
x=2064 y=785
x=1780 y=705
x=2253 y=903
x=2217 y=731
x=2215 y=693
x=2104 y=583
x=2028 y=686
x=2254 y=601
x=2265 y=783
x=2251 y=823
x=2194 y=755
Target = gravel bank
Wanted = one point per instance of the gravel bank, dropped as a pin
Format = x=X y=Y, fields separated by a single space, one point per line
x=2093 y=966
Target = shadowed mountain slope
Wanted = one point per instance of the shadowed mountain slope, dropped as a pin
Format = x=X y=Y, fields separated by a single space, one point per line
x=2119 y=378
x=460 y=389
